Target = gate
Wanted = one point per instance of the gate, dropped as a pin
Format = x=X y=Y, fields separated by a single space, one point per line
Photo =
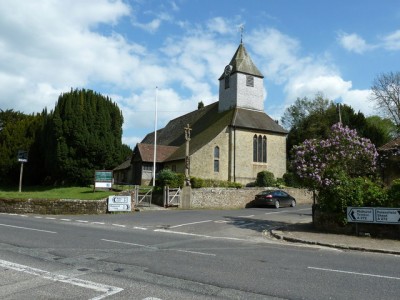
x=172 y=197
x=143 y=195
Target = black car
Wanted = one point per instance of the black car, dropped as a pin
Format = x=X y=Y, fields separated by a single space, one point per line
x=275 y=198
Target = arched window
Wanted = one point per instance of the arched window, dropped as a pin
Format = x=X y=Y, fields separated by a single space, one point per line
x=216 y=159
x=260 y=148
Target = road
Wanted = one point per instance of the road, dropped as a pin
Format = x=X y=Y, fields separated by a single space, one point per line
x=178 y=254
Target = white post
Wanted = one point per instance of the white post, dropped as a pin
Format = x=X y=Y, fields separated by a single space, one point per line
x=155 y=140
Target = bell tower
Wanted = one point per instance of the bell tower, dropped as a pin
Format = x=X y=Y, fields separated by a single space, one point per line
x=241 y=84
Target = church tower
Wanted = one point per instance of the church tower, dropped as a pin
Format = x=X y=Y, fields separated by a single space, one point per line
x=241 y=85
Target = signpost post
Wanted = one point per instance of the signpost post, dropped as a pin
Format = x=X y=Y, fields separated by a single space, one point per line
x=22 y=158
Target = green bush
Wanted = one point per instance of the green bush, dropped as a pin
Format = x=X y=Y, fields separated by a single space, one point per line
x=359 y=191
x=394 y=193
x=197 y=182
x=265 y=178
x=200 y=182
x=292 y=179
x=166 y=177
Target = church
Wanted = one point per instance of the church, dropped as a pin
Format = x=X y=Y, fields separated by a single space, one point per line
x=232 y=139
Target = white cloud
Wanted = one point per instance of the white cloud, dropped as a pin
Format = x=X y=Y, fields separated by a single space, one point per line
x=353 y=43
x=392 y=41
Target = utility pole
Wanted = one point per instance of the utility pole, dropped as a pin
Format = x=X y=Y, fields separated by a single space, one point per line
x=187 y=157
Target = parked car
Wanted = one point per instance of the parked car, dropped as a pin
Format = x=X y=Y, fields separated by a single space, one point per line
x=275 y=198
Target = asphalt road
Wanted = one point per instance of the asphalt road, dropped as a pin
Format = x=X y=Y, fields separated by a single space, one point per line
x=199 y=254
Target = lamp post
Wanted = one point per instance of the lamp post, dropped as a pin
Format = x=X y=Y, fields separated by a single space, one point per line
x=187 y=157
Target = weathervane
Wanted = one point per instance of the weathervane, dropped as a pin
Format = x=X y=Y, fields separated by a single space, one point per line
x=241 y=28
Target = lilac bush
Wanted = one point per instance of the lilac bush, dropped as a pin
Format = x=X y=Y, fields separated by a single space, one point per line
x=343 y=151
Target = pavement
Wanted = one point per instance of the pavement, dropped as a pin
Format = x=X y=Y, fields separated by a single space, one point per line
x=305 y=233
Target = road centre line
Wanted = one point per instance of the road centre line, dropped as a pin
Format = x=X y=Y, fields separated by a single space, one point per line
x=107 y=290
x=66 y=220
x=190 y=223
x=245 y=216
x=354 y=273
x=118 y=225
x=50 y=218
x=194 y=252
x=100 y=223
x=26 y=228
x=140 y=228
x=82 y=221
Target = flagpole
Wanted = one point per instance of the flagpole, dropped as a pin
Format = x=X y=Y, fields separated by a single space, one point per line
x=155 y=140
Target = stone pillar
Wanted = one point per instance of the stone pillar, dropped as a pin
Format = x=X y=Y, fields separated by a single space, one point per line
x=186 y=197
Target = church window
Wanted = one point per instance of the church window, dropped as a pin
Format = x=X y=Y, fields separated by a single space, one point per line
x=260 y=148
x=227 y=81
x=216 y=159
x=250 y=80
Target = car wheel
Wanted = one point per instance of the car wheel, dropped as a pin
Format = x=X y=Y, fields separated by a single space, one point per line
x=276 y=204
x=293 y=203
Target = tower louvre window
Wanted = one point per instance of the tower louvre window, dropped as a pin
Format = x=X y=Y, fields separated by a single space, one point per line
x=227 y=82
x=250 y=80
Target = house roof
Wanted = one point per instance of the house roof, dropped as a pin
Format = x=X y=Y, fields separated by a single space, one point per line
x=206 y=124
x=392 y=145
x=241 y=62
x=146 y=152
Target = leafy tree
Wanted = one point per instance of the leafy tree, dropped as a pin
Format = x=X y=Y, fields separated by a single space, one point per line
x=386 y=95
x=17 y=132
x=84 y=133
x=317 y=161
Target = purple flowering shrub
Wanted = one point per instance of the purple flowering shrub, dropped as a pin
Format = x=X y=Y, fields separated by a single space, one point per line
x=317 y=161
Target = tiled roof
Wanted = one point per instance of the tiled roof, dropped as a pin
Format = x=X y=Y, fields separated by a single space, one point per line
x=241 y=62
x=259 y=120
x=146 y=152
x=393 y=144
x=126 y=164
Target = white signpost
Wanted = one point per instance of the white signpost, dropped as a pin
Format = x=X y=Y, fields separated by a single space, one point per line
x=119 y=203
x=378 y=215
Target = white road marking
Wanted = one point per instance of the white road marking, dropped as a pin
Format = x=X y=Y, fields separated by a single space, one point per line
x=26 y=228
x=191 y=223
x=118 y=225
x=199 y=235
x=194 y=252
x=355 y=273
x=221 y=221
x=50 y=218
x=82 y=221
x=66 y=220
x=277 y=212
x=107 y=290
x=246 y=216
x=140 y=228
x=100 y=223
x=156 y=248
x=132 y=244
x=37 y=217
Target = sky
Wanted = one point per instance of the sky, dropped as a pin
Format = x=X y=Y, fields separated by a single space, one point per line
x=172 y=52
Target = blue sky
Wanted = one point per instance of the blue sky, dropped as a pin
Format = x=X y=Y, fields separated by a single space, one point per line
x=125 y=48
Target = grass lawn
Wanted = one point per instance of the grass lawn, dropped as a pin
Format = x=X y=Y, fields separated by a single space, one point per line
x=36 y=192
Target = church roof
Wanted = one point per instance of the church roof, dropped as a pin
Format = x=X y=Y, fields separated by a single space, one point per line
x=241 y=62
x=206 y=124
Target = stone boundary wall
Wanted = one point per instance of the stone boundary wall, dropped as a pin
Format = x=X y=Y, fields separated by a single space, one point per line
x=238 y=198
x=53 y=207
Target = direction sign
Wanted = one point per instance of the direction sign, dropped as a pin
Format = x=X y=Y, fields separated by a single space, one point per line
x=360 y=214
x=378 y=215
x=119 y=203
x=387 y=215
